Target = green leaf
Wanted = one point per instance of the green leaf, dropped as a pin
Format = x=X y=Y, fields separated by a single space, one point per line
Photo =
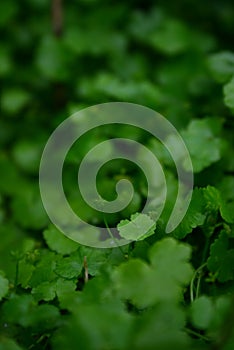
x=58 y=242
x=44 y=317
x=66 y=293
x=161 y=152
x=5 y=61
x=222 y=307
x=212 y=198
x=24 y=311
x=4 y=287
x=171 y=257
x=140 y=250
x=226 y=187
x=52 y=59
x=142 y=25
x=70 y=267
x=27 y=155
x=162 y=280
x=99 y=290
x=109 y=85
x=25 y=272
x=221 y=259
x=89 y=42
x=18 y=309
x=44 y=291
x=227 y=212
x=209 y=148
x=202 y=312
x=138 y=228
x=194 y=217
x=134 y=282
x=221 y=65
x=44 y=269
x=13 y=100
x=11 y=182
x=171 y=38
x=163 y=319
x=94 y=328
x=28 y=209
x=229 y=94
x=8 y=344
x=95 y=258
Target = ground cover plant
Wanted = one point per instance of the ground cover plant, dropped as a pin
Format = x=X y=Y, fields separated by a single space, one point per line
x=162 y=291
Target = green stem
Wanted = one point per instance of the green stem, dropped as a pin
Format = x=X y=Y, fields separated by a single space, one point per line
x=199 y=269
x=198 y=335
x=205 y=250
x=111 y=235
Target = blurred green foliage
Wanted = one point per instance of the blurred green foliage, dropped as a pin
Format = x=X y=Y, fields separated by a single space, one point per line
x=159 y=293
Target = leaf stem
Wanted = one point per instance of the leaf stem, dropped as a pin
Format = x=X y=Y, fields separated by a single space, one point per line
x=205 y=250
x=111 y=235
x=198 y=335
x=198 y=270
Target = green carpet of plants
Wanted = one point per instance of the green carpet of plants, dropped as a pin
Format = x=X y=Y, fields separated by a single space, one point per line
x=168 y=291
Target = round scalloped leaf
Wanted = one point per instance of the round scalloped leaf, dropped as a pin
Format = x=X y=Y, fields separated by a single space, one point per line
x=58 y=242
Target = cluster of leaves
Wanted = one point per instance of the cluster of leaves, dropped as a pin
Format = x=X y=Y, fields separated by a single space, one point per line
x=161 y=291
